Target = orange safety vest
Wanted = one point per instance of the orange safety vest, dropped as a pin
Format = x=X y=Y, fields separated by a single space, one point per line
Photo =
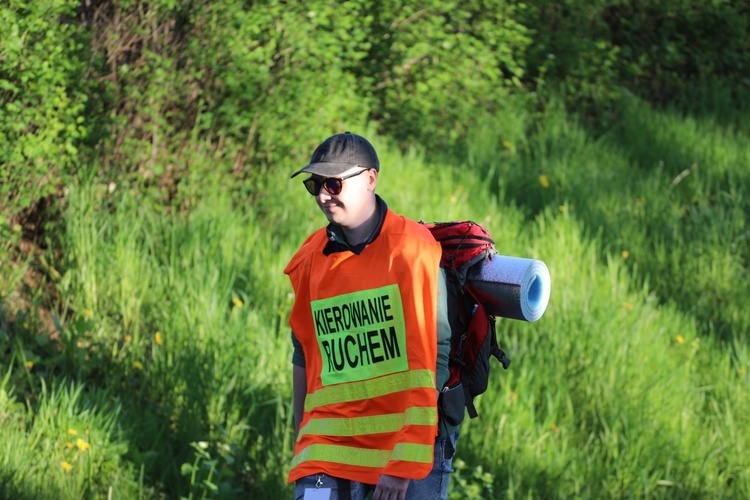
x=367 y=326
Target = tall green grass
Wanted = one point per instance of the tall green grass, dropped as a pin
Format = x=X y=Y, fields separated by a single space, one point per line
x=174 y=350
x=68 y=446
x=192 y=317
x=611 y=394
x=669 y=189
x=617 y=390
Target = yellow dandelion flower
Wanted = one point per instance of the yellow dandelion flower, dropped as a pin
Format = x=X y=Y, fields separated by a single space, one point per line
x=87 y=313
x=158 y=339
x=553 y=428
x=237 y=302
x=544 y=181
x=512 y=395
x=627 y=306
x=128 y=338
x=68 y=445
x=507 y=144
x=82 y=445
x=625 y=254
x=29 y=365
x=137 y=365
x=680 y=339
x=72 y=432
x=66 y=466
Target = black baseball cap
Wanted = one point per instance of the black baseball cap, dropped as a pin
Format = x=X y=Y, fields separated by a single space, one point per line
x=339 y=153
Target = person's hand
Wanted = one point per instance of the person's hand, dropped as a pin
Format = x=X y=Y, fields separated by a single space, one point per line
x=390 y=488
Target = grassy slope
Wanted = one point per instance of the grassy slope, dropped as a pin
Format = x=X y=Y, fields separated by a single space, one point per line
x=624 y=388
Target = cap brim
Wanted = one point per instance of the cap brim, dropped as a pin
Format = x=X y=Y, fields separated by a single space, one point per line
x=326 y=169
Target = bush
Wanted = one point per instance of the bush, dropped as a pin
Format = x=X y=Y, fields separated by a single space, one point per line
x=245 y=86
x=434 y=66
x=43 y=100
x=254 y=86
x=657 y=49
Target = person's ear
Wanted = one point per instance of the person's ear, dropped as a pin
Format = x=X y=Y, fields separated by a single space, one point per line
x=372 y=179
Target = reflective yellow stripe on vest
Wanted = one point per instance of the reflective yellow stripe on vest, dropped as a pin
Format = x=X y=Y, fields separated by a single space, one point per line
x=409 y=452
x=368 y=389
x=358 y=426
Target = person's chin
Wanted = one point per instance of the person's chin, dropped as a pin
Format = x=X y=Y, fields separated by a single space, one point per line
x=338 y=220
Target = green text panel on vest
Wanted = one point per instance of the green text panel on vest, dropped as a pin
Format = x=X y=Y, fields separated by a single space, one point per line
x=361 y=335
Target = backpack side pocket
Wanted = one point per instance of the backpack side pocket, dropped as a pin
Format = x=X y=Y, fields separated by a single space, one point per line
x=451 y=404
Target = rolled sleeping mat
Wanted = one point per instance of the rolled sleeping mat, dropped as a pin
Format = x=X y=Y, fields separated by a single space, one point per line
x=511 y=287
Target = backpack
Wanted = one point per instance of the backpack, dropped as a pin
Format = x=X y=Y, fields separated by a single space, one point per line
x=473 y=339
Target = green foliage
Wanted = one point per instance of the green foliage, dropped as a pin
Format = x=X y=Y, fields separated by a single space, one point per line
x=614 y=390
x=670 y=45
x=245 y=87
x=257 y=85
x=470 y=484
x=153 y=325
x=158 y=84
x=43 y=99
x=161 y=322
x=675 y=176
x=249 y=86
x=658 y=49
x=611 y=393
x=572 y=50
x=436 y=65
x=70 y=446
x=282 y=74
x=10 y=270
x=212 y=475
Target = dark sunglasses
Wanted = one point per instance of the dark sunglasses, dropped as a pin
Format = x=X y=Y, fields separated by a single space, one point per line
x=333 y=185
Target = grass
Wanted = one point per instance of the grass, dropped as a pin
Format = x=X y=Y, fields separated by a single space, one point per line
x=174 y=352
x=650 y=186
x=611 y=394
x=69 y=446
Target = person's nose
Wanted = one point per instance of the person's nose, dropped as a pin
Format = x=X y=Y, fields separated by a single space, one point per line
x=323 y=195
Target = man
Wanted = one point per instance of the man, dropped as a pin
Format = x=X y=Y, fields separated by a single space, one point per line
x=365 y=329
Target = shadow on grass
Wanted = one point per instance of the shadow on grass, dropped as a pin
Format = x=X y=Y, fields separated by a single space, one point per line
x=184 y=449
